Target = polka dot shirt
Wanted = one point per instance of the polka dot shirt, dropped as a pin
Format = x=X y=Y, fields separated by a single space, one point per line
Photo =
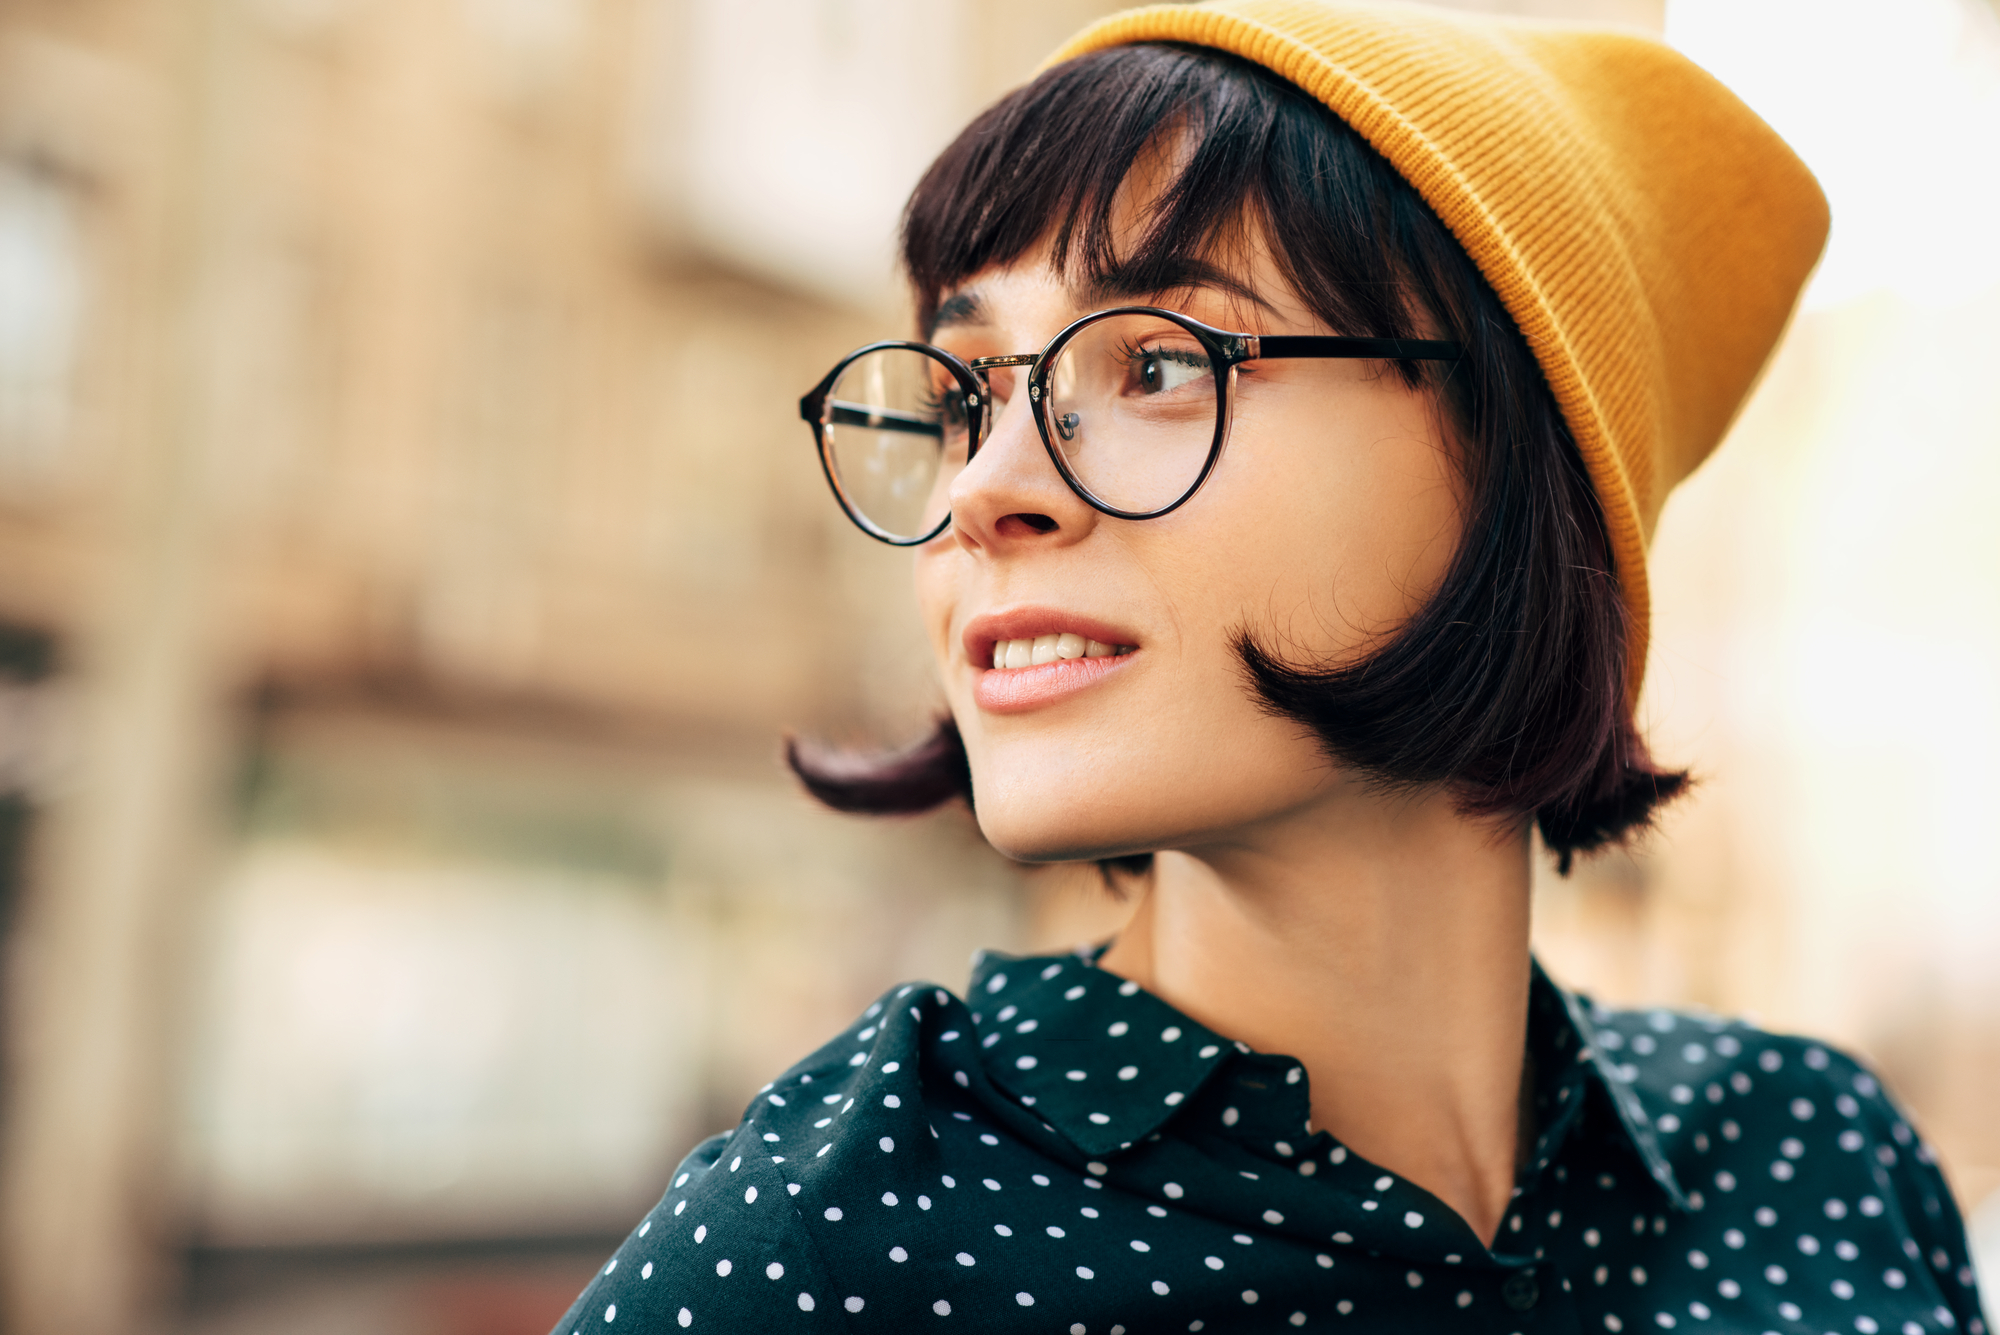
x=1064 y=1152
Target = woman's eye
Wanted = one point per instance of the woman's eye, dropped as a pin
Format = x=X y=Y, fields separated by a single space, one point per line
x=1163 y=370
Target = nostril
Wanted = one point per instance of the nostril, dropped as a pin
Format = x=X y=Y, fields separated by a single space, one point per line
x=1039 y=523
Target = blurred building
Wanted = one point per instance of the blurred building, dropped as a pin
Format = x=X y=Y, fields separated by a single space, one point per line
x=410 y=557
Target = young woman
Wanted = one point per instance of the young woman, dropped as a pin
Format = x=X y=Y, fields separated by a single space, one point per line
x=1297 y=386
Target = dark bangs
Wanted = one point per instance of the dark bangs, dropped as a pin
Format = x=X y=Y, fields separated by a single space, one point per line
x=1509 y=685
x=997 y=192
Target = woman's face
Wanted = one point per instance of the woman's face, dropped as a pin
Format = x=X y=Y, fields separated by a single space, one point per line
x=1329 y=519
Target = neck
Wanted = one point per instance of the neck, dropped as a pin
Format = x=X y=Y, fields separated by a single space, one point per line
x=1382 y=942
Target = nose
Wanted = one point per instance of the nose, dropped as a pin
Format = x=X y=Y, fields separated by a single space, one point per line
x=1010 y=496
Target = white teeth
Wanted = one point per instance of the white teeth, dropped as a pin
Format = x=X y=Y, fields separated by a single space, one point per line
x=1052 y=649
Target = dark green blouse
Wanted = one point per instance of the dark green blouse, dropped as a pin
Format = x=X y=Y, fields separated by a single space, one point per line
x=1067 y=1153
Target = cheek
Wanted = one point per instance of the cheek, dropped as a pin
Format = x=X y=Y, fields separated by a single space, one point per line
x=1339 y=531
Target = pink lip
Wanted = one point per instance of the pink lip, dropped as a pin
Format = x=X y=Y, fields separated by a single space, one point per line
x=1017 y=690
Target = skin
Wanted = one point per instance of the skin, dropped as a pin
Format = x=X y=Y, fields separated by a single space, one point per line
x=1380 y=938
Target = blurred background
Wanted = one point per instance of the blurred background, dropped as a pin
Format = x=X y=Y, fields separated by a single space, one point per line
x=410 y=558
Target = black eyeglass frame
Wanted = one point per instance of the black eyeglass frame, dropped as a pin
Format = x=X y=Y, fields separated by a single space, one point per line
x=1226 y=351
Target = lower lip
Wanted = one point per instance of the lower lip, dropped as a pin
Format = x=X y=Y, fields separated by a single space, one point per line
x=1017 y=690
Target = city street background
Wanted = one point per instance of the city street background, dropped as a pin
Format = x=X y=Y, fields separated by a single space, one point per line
x=411 y=559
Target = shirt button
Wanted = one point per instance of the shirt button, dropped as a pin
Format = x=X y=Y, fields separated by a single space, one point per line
x=1521 y=1292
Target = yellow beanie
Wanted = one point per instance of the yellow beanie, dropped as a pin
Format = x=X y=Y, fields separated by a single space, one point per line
x=1648 y=233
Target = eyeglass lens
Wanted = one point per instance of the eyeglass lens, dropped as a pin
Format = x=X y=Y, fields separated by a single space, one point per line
x=894 y=426
x=1132 y=410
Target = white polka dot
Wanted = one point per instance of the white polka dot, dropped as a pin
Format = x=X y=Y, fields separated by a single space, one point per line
x=1025 y=1299
x=965 y=1258
x=805 y=1302
x=1076 y=1075
x=1128 y=989
x=686 y=1317
x=1119 y=1029
x=700 y=1232
x=1085 y=1272
x=887 y=1144
x=1273 y=1218
x=775 y=1270
x=1099 y=1169
x=1297 y=1318
x=898 y=1255
x=854 y=1304
x=1415 y=1280
x=1100 y=1119
x=1464 y=1298
x=1413 y=1220
x=941 y=1307
x=724 y=1266
x=891 y=1101
x=1325 y=1261
x=750 y=1196
x=833 y=1213
x=1160 y=1287
x=1249 y=1295
x=1127 y=1072
x=1230 y=1116
x=1025 y=1063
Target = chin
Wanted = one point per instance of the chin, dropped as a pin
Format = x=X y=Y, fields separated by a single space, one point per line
x=1072 y=821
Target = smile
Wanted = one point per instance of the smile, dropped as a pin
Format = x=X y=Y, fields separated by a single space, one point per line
x=1056 y=648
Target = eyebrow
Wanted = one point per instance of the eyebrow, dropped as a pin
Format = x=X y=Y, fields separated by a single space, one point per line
x=1124 y=284
x=959 y=308
x=1158 y=277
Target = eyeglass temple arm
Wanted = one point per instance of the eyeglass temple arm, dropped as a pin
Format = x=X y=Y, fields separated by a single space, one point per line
x=1321 y=345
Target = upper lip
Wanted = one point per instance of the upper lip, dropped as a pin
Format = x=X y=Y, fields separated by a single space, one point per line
x=1027 y=623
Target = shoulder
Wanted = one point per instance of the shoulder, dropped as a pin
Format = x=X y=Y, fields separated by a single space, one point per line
x=1706 y=1084
x=788 y=1216
x=1792 y=1136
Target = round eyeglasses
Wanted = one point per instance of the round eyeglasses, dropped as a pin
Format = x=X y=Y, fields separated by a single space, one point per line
x=1132 y=405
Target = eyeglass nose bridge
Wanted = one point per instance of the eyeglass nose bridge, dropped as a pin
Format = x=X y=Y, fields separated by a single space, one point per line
x=980 y=366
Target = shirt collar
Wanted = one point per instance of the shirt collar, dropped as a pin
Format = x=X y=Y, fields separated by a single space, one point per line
x=1629 y=1091
x=1106 y=1063
x=1101 y=1059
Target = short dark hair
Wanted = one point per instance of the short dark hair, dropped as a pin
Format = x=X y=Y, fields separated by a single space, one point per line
x=1510 y=684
